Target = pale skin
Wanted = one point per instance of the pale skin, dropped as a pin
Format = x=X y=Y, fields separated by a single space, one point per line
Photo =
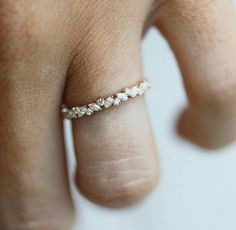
x=75 y=51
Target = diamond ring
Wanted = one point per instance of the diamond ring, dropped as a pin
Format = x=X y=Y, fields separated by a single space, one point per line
x=104 y=103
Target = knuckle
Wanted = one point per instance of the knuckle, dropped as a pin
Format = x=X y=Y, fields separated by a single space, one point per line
x=25 y=27
x=15 y=23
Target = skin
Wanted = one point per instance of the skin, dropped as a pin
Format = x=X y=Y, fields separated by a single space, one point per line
x=75 y=51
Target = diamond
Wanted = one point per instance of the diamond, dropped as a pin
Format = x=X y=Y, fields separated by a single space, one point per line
x=75 y=109
x=108 y=102
x=134 y=91
x=64 y=110
x=70 y=115
x=140 y=91
x=122 y=96
x=94 y=107
x=79 y=112
x=100 y=102
x=117 y=101
x=144 y=85
x=83 y=110
x=89 y=111
x=128 y=92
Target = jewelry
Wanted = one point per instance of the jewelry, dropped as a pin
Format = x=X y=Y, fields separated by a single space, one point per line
x=102 y=103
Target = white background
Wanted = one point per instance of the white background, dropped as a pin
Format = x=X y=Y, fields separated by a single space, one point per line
x=198 y=187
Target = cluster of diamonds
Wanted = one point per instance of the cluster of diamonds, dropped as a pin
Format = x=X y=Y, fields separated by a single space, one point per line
x=104 y=103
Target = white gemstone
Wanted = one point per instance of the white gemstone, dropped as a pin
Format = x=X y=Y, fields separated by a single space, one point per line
x=122 y=96
x=108 y=102
x=79 y=112
x=83 y=110
x=128 y=92
x=100 y=102
x=89 y=111
x=134 y=91
x=141 y=91
x=117 y=101
x=94 y=107
x=75 y=109
x=145 y=85
x=69 y=114
x=64 y=110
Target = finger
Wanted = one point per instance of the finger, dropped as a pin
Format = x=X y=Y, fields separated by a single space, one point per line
x=203 y=37
x=34 y=191
x=115 y=152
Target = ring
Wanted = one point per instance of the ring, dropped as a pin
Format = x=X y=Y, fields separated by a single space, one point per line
x=102 y=103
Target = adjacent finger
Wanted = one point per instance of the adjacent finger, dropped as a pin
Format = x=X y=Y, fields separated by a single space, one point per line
x=203 y=37
x=34 y=192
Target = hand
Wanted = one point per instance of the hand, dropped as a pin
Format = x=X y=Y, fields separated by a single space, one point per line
x=76 y=51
